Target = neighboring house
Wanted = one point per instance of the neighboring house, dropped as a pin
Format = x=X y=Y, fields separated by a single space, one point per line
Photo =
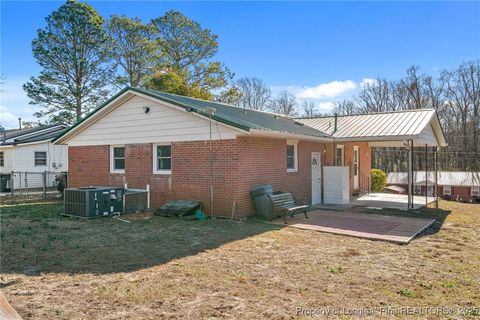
x=185 y=148
x=454 y=184
x=31 y=150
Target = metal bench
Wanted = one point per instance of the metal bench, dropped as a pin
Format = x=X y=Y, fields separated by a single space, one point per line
x=284 y=203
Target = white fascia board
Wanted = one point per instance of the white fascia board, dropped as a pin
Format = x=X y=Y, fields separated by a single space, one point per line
x=33 y=143
x=286 y=135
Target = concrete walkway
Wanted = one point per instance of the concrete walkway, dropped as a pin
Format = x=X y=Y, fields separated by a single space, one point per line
x=390 y=200
x=370 y=226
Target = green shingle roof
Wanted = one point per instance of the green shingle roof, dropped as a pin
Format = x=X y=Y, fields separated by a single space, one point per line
x=244 y=119
x=238 y=117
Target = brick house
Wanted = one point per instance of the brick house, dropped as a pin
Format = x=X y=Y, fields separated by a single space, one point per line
x=185 y=148
x=463 y=186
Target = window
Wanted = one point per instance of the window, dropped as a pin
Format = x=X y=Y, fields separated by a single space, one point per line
x=2 y=159
x=117 y=159
x=292 y=156
x=447 y=190
x=339 y=158
x=40 y=158
x=163 y=159
x=475 y=191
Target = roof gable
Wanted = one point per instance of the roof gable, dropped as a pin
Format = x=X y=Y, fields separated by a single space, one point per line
x=398 y=125
x=244 y=120
x=128 y=123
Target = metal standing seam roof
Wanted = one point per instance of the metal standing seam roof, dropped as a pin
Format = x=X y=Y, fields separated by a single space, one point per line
x=445 y=178
x=397 y=123
x=12 y=133
x=40 y=133
x=244 y=119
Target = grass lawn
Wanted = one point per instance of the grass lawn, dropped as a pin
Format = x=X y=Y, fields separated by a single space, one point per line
x=155 y=267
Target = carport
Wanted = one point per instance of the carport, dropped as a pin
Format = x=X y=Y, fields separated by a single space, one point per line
x=409 y=129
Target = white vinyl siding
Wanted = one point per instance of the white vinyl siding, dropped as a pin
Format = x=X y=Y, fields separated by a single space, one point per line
x=7 y=160
x=128 y=123
x=21 y=158
x=427 y=136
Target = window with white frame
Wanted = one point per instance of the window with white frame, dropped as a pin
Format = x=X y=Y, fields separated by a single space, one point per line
x=340 y=156
x=162 y=159
x=292 y=156
x=40 y=158
x=447 y=190
x=117 y=159
x=2 y=159
x=475 y=191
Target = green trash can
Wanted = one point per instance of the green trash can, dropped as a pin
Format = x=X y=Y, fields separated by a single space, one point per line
x=263 y=205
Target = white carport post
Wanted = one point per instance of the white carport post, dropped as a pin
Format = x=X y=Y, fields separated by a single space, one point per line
x=436 y=176
x=426 y=175
x=410 y=175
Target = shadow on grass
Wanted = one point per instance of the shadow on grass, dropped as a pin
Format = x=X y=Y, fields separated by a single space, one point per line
x=36 y=239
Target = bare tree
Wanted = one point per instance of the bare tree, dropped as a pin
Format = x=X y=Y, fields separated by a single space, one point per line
x=346 y=107
x=254 y=93
x=309 y=109
x=285 y=103
x=462 y=93
x=377 y=97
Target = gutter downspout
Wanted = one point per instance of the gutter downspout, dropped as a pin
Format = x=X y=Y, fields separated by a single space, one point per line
x=334 y=140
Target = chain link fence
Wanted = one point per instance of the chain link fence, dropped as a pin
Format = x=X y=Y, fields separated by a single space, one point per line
x=34 y=184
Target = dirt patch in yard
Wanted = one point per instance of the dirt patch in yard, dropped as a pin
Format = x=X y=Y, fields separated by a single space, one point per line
x=157 y=267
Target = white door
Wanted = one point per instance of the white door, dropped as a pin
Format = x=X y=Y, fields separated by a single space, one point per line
x=316 y=178
x=355 y=168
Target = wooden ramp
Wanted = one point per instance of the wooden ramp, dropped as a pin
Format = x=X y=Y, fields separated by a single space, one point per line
x=362 y=225
x=6 y=310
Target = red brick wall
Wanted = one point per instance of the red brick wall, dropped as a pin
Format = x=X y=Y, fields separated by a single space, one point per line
x=365 y=163
x=90 y=166
x=263 y=161
x=191 y=173
x=189 y=178
x=465 y=193
x=238 y=165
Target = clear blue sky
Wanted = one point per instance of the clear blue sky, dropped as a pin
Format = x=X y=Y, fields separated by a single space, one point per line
x=318 y=50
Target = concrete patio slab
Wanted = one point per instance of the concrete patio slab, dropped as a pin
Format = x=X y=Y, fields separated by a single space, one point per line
x=390 y=201
x=362 y=225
